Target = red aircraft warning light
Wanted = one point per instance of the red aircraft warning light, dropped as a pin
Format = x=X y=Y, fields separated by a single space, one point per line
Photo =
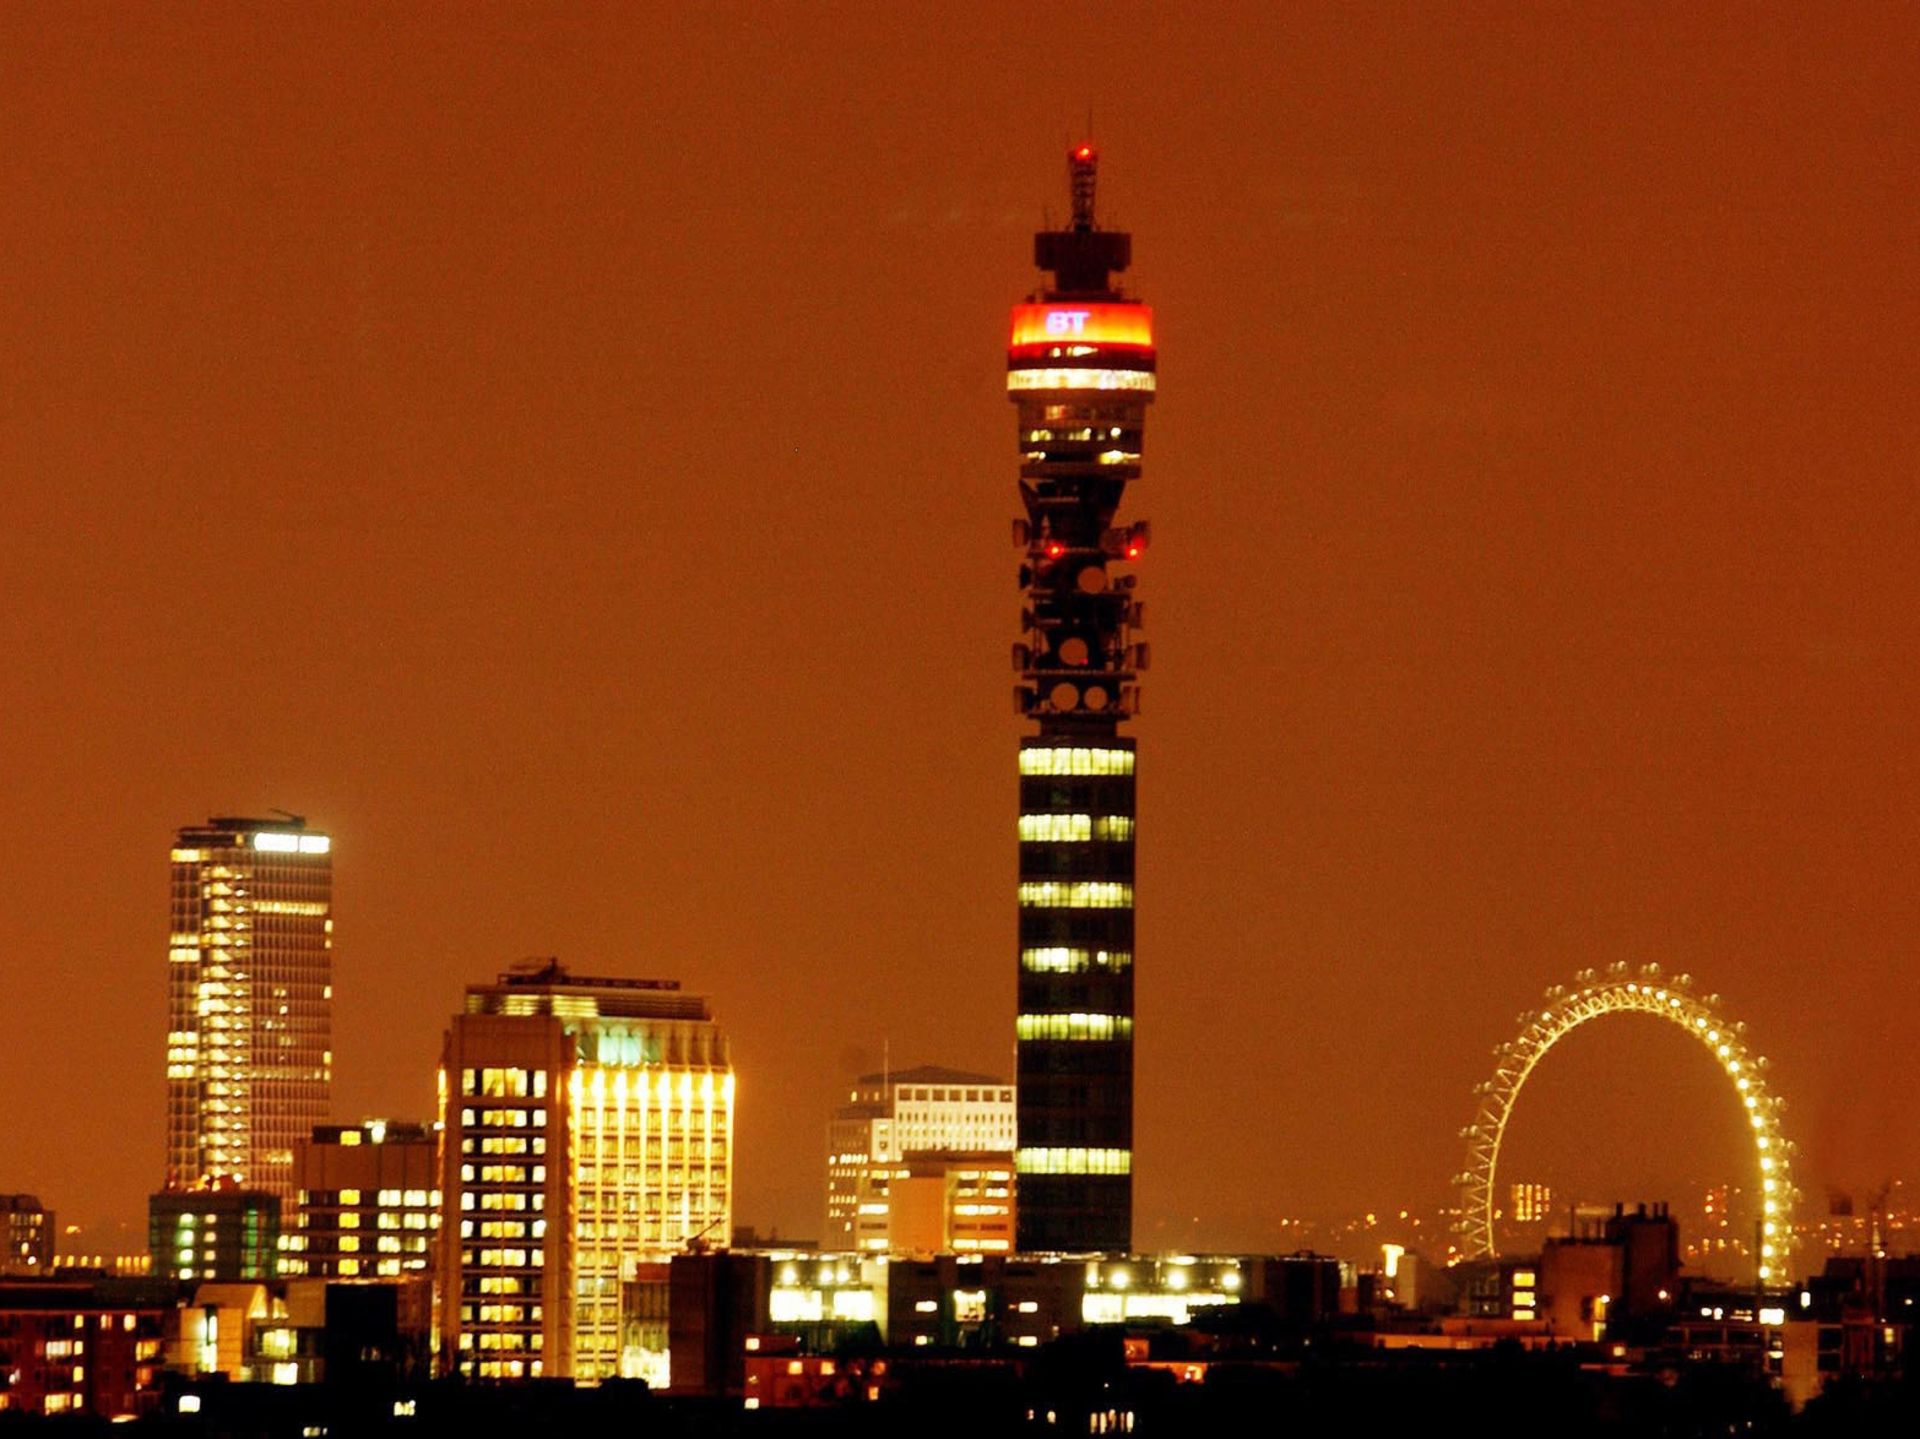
x=1080 y=174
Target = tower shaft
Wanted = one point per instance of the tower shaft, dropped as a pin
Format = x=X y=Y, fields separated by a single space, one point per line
x=1081 y=371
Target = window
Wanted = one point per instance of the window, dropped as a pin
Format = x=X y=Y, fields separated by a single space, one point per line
x=1060 y=960
x=1055 y=828
x=1074 y=1161
x=1074 y=1026
x=1079 y=379
x=1076 y=894
x=1062 y=760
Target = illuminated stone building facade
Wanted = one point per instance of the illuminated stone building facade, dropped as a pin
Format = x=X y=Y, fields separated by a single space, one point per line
x=915 y=1129
x=249 y=1000
x=368 y=1202
x=1080 y=367
x=588 y=1130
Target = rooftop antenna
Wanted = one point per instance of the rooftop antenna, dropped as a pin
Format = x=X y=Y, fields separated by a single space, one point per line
x=1083 y=164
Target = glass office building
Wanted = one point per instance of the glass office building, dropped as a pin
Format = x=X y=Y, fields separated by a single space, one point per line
x=249 y=1000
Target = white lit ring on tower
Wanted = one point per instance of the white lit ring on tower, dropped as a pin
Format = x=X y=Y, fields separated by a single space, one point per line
x=1620 y=991
x=1070 y=379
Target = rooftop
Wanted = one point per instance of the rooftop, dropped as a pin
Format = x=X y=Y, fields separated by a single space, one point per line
x=928 y=1074
x=544 y=986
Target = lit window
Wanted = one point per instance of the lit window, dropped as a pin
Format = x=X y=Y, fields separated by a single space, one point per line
x=1075 y=894
x=1055 y=828
x=1074 y=1026
x=1070 y=379
x=1074 y=1161
x=1059 y=960
x=1062 y=760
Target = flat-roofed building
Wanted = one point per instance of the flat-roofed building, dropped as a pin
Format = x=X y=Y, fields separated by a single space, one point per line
x=918 y=1128
x=588 y=1131
x=369 y=1202
x=220 y=1234
x=249 y=1000
x=26 y=1225
x=937 y=1203
x=90 y=1348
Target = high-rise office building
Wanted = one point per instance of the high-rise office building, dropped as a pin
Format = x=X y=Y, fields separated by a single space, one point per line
x=921 y=1130
x=1080 y=367
x=249 y=1001
x=587 y=1130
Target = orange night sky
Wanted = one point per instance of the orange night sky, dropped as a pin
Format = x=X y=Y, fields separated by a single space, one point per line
x=563 y=452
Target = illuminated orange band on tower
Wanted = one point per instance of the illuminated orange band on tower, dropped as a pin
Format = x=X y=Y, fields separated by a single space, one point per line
x=1064 y=323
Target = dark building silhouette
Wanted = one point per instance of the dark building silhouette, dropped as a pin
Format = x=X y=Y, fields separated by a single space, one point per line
x=1611 y=1271
x=26 y=1227
x=1081 y=369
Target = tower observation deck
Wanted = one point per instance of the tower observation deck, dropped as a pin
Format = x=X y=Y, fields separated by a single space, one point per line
x=1080 y=368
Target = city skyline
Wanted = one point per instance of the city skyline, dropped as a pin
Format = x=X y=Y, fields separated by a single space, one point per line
x=1531 y=586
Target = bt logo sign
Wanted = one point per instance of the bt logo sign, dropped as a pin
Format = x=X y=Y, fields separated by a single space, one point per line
x=1066 y=322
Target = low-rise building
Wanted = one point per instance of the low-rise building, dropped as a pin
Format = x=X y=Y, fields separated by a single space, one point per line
x=88 y=1348
x=369 y=1202
x=1622 y=1269
x=936 y=1203
x=907 y=1136
x=26 y=1226
x=305 y=1331
x=214 y=1234
x=725 y=1308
